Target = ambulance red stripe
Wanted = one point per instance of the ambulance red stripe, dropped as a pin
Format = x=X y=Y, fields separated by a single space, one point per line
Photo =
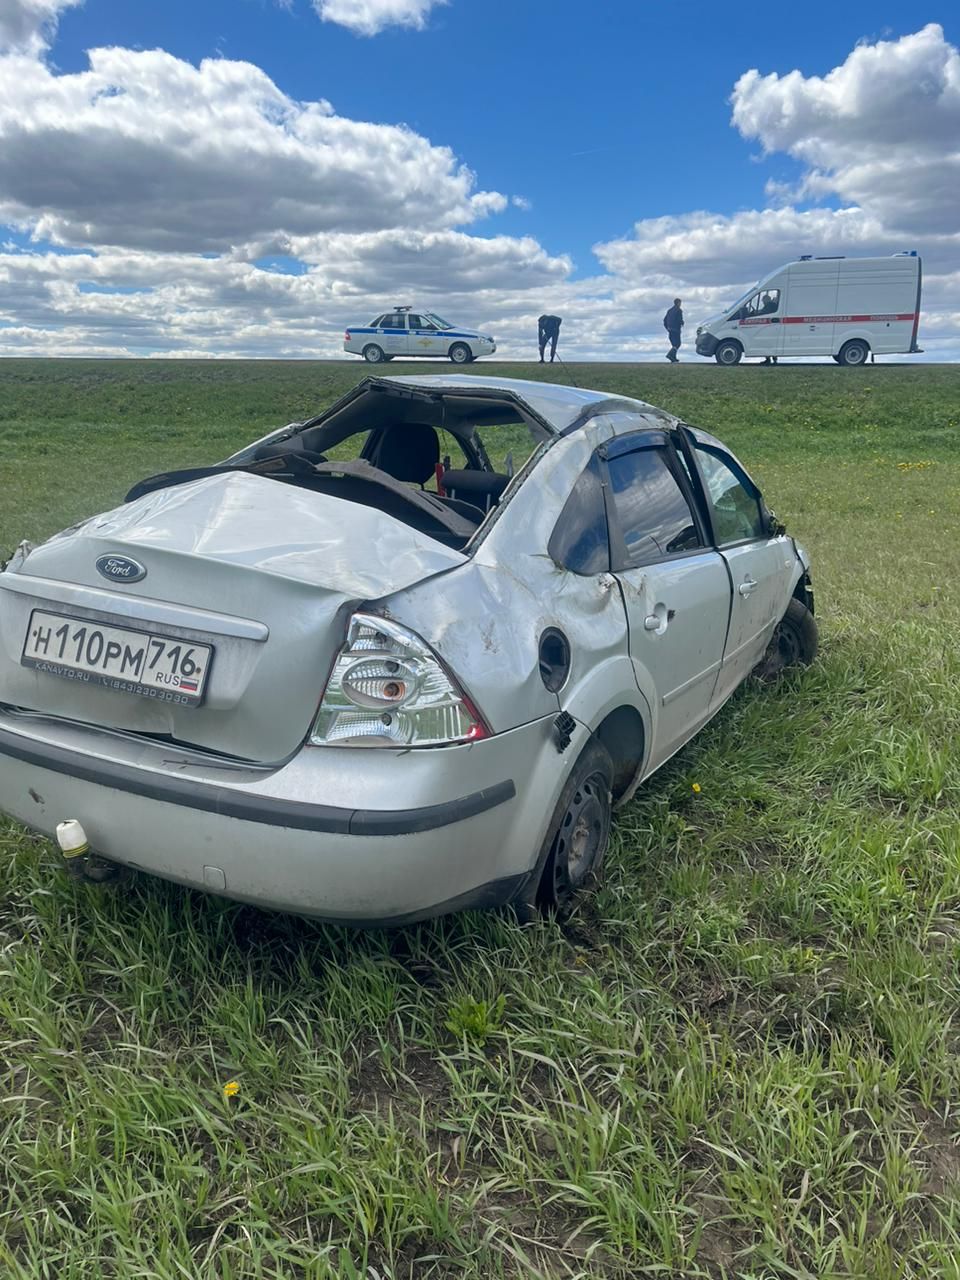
x=905 y=315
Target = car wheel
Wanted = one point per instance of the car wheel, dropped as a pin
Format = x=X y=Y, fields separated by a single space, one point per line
x=579 y=833
x=794 y=642
x=729 y=352
x=374 y=354
x=460 y=353
x=853 y=353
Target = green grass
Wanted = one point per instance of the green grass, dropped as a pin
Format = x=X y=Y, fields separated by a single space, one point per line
x=738 y=1058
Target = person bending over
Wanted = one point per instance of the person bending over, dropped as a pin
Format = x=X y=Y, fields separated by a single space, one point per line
x=548 y=331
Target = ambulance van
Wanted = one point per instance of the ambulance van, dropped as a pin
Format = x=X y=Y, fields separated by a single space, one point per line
x=847 y=308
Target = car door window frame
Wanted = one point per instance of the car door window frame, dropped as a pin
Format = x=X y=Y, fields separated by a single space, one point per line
x=586 y=505
x=620 y=558
x=691 y=448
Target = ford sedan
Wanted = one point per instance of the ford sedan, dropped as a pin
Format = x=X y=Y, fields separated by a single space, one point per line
x=370 y=670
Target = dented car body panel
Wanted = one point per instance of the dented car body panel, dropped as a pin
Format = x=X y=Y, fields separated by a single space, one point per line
x=357 y=679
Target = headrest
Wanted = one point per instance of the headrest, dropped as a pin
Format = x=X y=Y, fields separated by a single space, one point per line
x=408 y=451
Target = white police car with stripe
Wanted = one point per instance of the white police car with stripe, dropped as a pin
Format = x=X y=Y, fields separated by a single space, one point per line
x=404 y=332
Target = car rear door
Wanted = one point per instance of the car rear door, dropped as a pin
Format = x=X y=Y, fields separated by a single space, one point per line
x=760 y=562
x=676 y=588
x=393 y=336
x=810 y=308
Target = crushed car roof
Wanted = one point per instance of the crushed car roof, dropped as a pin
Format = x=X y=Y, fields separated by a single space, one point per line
x=560 y=406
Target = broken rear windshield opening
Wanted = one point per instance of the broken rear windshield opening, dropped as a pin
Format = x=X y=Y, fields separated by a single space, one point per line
x=440 y=464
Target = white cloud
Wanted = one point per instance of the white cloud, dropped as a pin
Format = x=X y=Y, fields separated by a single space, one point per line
x=148 y=151
x=27 y=24
x=881 y=131
x=370 y=17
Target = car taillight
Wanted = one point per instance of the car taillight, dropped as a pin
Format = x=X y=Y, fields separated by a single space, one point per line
x=389 y=689
x=346 y=335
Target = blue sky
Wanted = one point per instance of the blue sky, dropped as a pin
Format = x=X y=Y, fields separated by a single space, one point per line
x=614 y=127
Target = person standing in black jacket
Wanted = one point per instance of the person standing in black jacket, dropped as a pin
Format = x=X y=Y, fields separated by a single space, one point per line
x=548 y=330
x=673 y=323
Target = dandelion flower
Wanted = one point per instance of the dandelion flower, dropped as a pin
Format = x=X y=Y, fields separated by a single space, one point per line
x=231 y=1089
x=696 y=787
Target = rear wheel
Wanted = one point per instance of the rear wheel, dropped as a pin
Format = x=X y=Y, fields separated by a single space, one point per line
x=374 y=354
x=729 y=352
x=794 y=642
x=580 y=830
x=460 y=353
x=854 y=352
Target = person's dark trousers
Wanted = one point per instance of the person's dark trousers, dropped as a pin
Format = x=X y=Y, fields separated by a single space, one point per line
x=552 y=339
x=675 y=339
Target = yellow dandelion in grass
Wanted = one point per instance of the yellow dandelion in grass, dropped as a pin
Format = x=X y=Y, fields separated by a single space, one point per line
x=231 y=1089
x=696 y=787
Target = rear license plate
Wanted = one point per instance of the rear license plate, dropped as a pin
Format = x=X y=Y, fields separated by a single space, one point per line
x=117 y=658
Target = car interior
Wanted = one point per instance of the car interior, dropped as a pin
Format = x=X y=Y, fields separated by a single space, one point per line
x=419 y=458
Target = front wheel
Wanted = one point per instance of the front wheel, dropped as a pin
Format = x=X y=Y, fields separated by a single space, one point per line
x=853 y=353
x=580 y=830
x=729 y=352
x=374 y=354
x=460 y=353
x=794 y=642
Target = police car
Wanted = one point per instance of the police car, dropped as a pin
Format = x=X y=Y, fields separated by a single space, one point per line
x=405 y=333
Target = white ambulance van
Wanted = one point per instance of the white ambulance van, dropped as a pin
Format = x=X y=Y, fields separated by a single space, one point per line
x=847 y=308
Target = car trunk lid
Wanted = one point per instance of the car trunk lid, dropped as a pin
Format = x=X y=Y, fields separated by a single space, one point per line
x=264 y=573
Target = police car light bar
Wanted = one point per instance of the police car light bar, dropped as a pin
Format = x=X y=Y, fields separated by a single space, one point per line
x=403 y=308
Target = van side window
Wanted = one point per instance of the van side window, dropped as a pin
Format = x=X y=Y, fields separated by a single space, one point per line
x=765 y=302
x=654 y=517
x=734 y=502
x=579 y=540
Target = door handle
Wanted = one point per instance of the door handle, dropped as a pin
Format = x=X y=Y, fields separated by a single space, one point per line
x=658 y=621
x=746 y=586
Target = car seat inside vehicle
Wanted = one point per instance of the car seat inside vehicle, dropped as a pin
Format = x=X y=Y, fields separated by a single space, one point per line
x=408 y=451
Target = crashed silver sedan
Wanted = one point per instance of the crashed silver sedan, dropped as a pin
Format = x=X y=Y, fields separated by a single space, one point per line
x=371 y=670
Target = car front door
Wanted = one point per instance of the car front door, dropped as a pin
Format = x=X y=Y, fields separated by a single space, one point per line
x=676 y=588
x=760 y=562
x=425 y=339
x=759 y=326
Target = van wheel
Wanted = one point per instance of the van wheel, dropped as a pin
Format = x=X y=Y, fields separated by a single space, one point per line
x=373 y=354
x=794 y=642
x=460 y=353
x=854 y=352
x=579 y=833
x=728 y=352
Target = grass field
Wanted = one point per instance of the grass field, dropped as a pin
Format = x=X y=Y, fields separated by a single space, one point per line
x=739 y=1058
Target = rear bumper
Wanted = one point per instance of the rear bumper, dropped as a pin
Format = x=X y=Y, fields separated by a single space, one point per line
x=469 y=835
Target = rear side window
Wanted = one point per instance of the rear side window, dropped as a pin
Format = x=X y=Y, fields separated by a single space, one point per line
x=654 y=517
x=733 y=499
x=579 y=540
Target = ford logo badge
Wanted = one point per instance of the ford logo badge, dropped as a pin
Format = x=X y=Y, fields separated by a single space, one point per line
x=120 y=569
